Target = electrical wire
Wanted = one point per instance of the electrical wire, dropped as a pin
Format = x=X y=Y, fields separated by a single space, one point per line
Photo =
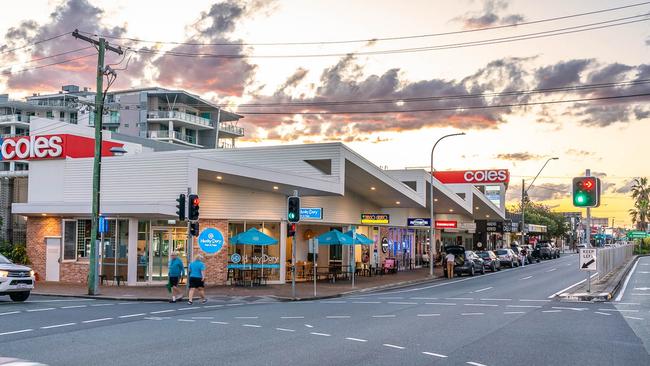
x=376 y=39
x=46 y=57
x=34 y=43
x=9 y=72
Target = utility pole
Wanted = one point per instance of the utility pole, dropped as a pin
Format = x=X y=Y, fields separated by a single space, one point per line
x=102 y=46
x=523 y=202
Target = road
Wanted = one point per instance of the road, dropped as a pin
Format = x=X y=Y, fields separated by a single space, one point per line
x=504 y=318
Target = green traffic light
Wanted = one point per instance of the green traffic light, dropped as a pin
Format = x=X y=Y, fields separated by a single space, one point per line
x=291 y=216
x=581 y=199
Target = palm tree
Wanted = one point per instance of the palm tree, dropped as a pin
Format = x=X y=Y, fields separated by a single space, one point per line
x=641 y=195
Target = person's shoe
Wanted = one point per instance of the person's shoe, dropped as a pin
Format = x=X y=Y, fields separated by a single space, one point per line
x=172 y=301
x=204 y=301
x=180 y=299
x=189 y=302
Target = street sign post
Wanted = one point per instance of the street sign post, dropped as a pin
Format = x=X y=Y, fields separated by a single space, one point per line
x=588 y=262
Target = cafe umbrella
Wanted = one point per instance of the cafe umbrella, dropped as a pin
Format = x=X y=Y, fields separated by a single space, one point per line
x=336 y=237
x=253 y=236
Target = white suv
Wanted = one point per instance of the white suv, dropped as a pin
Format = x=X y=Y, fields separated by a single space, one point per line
x=15 y=280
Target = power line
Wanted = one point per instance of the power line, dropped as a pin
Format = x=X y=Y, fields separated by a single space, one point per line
x=527 y=36
x=46 y=57
x=8 y=72
x=377 y=39
x=34 y=43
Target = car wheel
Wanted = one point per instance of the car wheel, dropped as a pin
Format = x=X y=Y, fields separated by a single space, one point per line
x=471 y=271
x=19 y=296
x=494 y=268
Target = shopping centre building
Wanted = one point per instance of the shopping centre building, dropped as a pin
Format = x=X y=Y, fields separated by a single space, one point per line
x=239 y=188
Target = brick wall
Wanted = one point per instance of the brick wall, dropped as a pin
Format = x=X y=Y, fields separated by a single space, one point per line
x=74 y=272
x=216 y=264
x=37 y=229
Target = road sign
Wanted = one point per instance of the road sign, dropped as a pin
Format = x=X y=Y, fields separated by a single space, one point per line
x=637 y=235
x=588 y=260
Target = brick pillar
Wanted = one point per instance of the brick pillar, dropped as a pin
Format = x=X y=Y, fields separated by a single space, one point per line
x=216 y=264
x=37 y=229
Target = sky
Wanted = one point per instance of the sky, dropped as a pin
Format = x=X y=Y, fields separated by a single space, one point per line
x=260 y=62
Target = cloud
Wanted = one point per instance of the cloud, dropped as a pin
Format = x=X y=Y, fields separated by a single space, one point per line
x=626 y=187
x=561 y=74
x=489 y=16
x=580 y=153
x=518 y=156
x=540 y=192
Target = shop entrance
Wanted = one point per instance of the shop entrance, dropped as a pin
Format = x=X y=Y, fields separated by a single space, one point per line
x=159 y=253
x=153 y=261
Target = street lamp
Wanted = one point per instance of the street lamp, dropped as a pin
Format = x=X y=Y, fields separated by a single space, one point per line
x=432 y=223
x=523 y=196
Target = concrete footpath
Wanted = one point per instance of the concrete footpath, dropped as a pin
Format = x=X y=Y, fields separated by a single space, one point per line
x=601 y=289
x=304 y=290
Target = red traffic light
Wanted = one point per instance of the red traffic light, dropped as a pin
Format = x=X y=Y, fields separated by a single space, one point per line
x=195 y=201
x=588 y=184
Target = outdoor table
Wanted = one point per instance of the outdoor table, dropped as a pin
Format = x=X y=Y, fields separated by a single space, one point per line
x=246 y=275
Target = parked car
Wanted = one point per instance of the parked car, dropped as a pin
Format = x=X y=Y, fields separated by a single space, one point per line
x=546 y=250
x=507 y=257
x=15 y=280
x=490 y=260
x=466 y=261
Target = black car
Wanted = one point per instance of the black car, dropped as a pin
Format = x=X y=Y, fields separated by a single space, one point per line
x=490 y=260
x=466 y=261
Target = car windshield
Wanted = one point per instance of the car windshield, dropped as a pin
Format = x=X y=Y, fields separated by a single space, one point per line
x=502 y=252
x=483 y=255
x=4 y=260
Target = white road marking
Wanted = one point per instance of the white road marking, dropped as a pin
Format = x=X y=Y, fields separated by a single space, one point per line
x=486 y=305
x=162 y=311
x=285 y=330
x=251 y=325
x=402 y=303
x=131 y=315
x=551 y=311
x=246 y=317
x=35 y=310
x=644 y=272
x=628 y=303
x=333 y=302
x=640 y=294
x=70 y=300
x=423 y=298
x=423 y=315
x=356 y=339
x=598 y=312
x=73 y=306
x=632 y=317
x=533 y=300
x=572 y=286
x=475 y=363
x=514 y=312
x=16 y=332
x=128 y=303
x=459 y=298
x=11 y=312
x=366 y=302
x=567 y=308
x=338 y=317
x=202 y=317
x=185 y=309
x=525 y=278
x=496 y=299
x=103 y=305
x=309 y=326
x=217 y=322
x=321 y=334
x=393 y=346
x=551 y=270
x=186 y=320
x=472 y=314
x=439 y=303
x=212 y=306
x=620 y=311
x=484 y=289
x=383 y=316
x=645 y=264
x=523 y=306
x=58 y=325
x=292 y=317
x=391 y=298
x=434 y=354
x=97 y=320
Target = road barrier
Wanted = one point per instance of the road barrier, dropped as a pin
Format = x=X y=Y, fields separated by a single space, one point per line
x=611 y=258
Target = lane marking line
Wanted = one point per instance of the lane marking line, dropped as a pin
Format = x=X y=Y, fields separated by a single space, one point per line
x=422 y=315
x=384 y=316
x=185 y=309
x=567 y=308
x=598 y=312
x=632 y=317
x=292 y=317
x=459 y=298
x=401 y=303
x=333 y=302
x=532 y=300
x=434 y=354
x=36 y=310
x=338 y=317
x=186 y=320
x=103 y=305
x=11 y=312
x=96 y=320
x=202 y=317
x=356 y=339
x=131 y=315
x=475 y=363
x=484 y=289
x=366 y=302
x=309 y=326
x=321 y=334
x=495 y=299
x=525 y=278
x=628 y=303
x=285 y=330
x=572 y=286
x=16 y=332
x=423 y=298
x=251 y=325
x=514 y=312
x=472 y=314
x=74 y=307
x=393 y=346
x=485 y=305
x=551 y=270
x=551 y=311
x=620 y=311
x=524 y=306
x=58 y=325
x=391 y=298
x=440 y=303
x=246 y=317
x=217 y=322
x=162 y=311
x=212 y=306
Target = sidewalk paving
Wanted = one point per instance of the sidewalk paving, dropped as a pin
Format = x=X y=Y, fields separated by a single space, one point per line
x=602 y=289
x=304 y=290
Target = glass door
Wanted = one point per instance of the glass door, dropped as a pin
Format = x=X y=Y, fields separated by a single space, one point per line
x=161 y=240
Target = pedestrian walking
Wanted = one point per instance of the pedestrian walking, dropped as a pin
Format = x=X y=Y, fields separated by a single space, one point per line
x=451 y=258
x=523 y=254
x=197 y=279
x=176 y=272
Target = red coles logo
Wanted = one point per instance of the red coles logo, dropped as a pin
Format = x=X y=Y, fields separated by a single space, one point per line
x=51 y=147
x=474 y=176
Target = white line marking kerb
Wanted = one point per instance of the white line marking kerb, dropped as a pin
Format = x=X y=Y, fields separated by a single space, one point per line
x=627 y=279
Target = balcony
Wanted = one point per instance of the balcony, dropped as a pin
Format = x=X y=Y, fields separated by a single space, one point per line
x=180 y=118
x=230 y=129
x=53 y=103
x=175 y=136
x=14 y=119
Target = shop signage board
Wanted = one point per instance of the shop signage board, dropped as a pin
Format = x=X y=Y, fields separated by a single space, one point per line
x=311 y=213
x=210 y=240
x=235 y=258
x=375 y=218
x=51 y=147
x=384 y=245
x=446 y=224
x=488 y=176
x=507 y=226
x=494 y=226
x=588 y=260
x=418 y=222
x=637 y=235
x=469 y=226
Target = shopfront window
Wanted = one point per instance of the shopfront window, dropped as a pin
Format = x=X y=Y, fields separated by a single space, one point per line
x=266 y=258
x=83 y=238
x=114 y=250
x=69 y=240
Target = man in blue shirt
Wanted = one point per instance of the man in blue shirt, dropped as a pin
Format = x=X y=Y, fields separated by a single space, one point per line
x=197 y=278
x=176 y=271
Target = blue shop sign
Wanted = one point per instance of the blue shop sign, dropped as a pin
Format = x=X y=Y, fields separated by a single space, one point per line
x=211 y=240
x=103 y=225
x=421 y=221
x=311 y=213
x=235 y=258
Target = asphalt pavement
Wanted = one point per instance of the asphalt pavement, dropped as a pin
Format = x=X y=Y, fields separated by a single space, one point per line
x=511 y=317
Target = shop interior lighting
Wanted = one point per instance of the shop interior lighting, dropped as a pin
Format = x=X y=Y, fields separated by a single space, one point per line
x=372 y=188
x=276 y=188
x=219 y=177
x=43 y=214
x=451 y=210
x=435 y=200
x=397 y=202
x=488 y=216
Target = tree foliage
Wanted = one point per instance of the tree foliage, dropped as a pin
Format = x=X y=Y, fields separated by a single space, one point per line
x=641 y=196
x=539 y=214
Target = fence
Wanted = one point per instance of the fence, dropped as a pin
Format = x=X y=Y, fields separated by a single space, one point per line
x=611 y=258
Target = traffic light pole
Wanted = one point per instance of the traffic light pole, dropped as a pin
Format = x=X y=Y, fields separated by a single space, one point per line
x=293 y=258
x=588 y=231
x=190 y=243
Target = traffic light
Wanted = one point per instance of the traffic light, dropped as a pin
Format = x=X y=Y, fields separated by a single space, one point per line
x=193 y=213
x=586 y=192
x=180 y=207
x=293 y=209
x=291 y=230
x=194 y=228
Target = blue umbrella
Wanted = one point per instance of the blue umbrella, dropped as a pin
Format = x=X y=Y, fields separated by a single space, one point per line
x=334 y=237
x=253 y=236
x=360 y=238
